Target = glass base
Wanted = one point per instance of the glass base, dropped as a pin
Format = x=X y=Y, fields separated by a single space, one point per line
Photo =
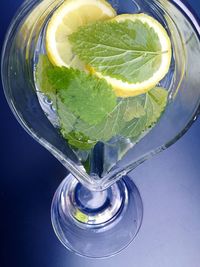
x=96 y=224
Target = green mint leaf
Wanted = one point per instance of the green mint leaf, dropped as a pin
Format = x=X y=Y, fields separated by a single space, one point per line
x=154 y=103
x=66 y=118
x=128 y=50
x=78 y=140
x=89 y=98
x=130 y=118
x=134 y=108
x=106 y=129
x=67 y=124
x=42 y=80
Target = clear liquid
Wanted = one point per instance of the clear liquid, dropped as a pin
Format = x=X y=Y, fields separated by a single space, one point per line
x=105 y=154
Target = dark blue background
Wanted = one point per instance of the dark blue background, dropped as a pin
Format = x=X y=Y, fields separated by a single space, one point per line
x=169 y=184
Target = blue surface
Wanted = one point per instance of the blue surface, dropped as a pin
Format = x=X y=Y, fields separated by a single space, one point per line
x=169 y=184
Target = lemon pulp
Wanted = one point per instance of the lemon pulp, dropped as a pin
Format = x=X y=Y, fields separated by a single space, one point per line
x=65 y=20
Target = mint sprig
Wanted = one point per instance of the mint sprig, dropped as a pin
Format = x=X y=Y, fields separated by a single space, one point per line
x=88 y=110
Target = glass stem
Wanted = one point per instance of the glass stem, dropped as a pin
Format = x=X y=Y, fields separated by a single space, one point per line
x=97 y=160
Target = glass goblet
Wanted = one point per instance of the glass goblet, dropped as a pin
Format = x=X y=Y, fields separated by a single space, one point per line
x=98 y=213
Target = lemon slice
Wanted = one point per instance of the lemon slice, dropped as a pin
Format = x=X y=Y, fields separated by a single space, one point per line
x=66 y=19
x=125 y=89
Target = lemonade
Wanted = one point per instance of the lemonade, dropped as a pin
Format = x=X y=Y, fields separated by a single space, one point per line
x=100 y=73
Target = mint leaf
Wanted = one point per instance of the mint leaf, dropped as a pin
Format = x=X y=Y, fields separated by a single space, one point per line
x=42 y=80
x=66 y=118
x=130 y=118
x=67 y=124
x=78 y=140
x=106 y=129
x=134 y=108
x=128 y=50
x=91 y=99
x=113 y=124
x=154 y=103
